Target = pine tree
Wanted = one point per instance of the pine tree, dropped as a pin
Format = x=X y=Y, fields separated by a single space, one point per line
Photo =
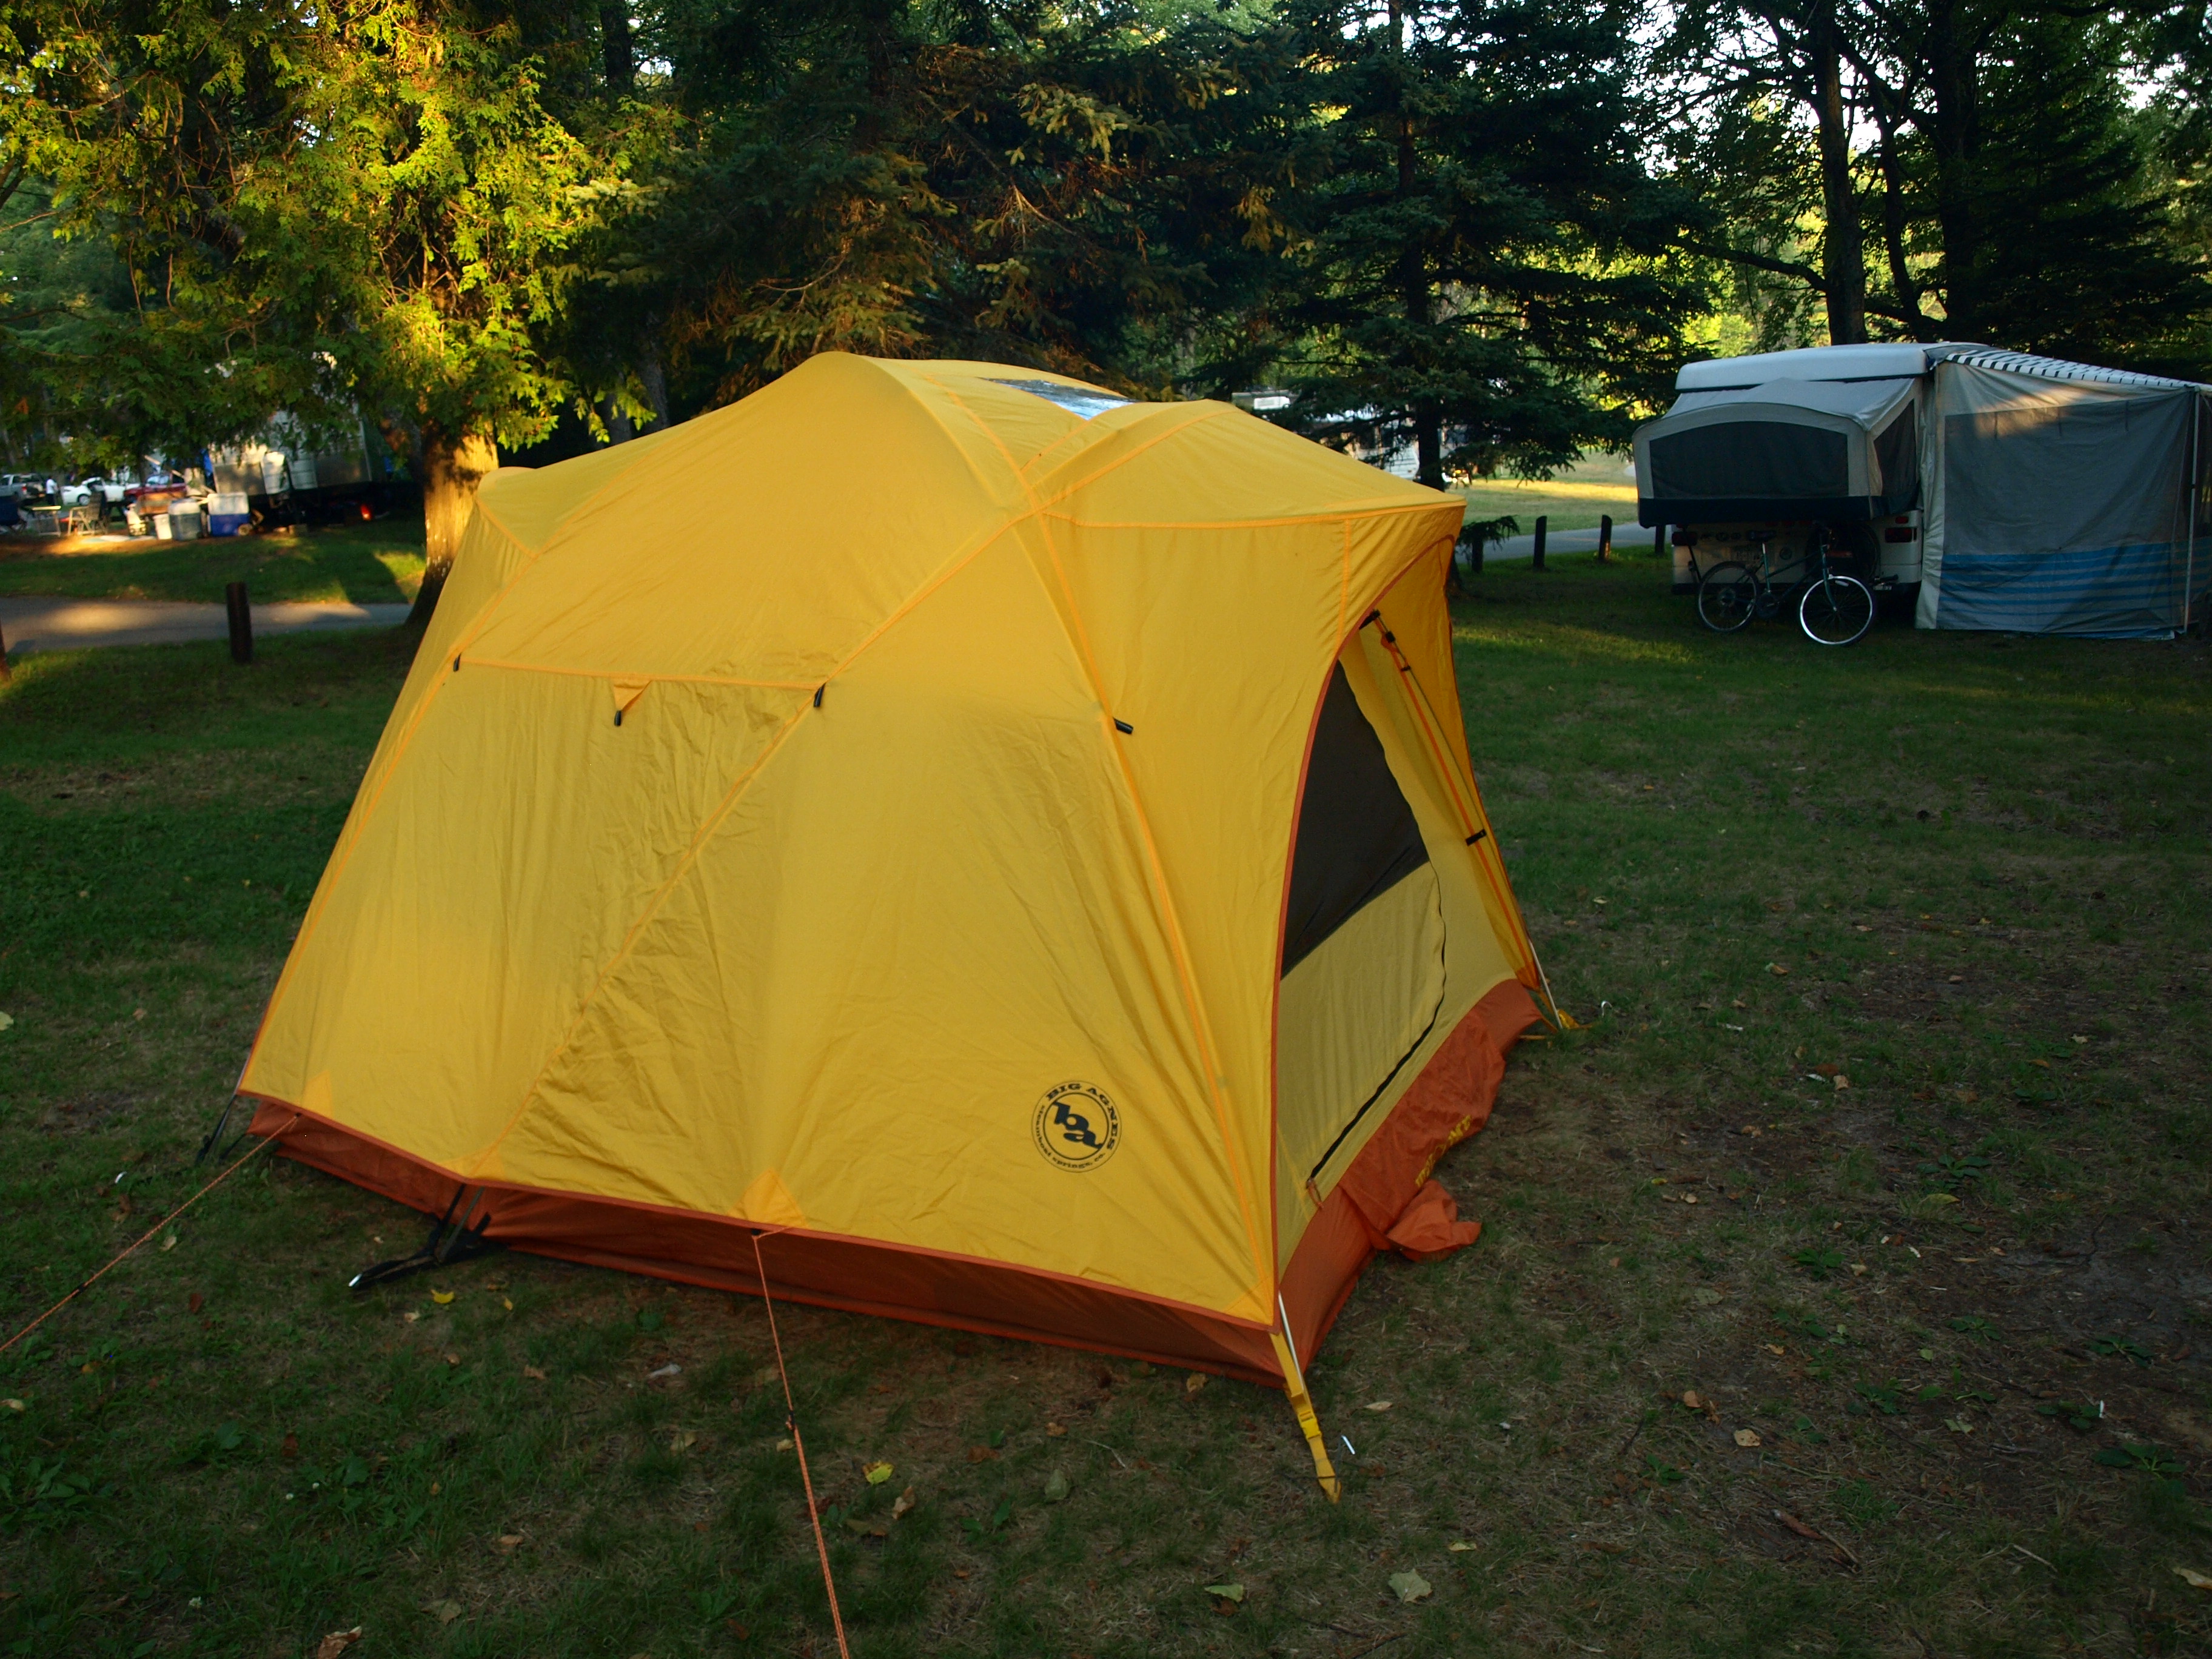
x=1483 y=274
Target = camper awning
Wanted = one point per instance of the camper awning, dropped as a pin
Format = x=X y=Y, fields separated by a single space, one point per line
x=1789 y=449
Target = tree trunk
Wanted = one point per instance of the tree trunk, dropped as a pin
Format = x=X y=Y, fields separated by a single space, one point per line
x=617 y=57
x=1842 y=258
x=1952 y=80
x=654 y=376
x=452 y=468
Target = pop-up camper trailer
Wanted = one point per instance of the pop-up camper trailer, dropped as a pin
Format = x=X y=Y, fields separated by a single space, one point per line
x=2005 y=491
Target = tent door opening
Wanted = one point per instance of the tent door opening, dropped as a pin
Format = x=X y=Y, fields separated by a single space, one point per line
x=1363 y=967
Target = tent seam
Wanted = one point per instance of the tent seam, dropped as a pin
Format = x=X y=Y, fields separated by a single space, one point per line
x=1079 y=639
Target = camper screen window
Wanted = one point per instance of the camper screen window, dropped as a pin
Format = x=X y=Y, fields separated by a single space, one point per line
x=1739 y=459
x=1897 y=451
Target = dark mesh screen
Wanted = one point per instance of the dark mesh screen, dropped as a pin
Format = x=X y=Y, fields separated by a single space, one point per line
x=1357 y=837
x=1749 y=458
x=1897 y=452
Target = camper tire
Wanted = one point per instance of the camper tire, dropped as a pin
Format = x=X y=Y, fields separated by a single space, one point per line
x=1727 y=595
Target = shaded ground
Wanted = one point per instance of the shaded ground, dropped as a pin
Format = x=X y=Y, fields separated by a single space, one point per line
x=1749 y=1360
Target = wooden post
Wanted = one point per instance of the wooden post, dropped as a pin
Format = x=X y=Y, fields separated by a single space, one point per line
x=1605 y=539
x=1536 y=558
x=241 y=623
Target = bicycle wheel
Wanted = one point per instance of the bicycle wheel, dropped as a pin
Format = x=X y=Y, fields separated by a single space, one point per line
x=1836 y=610
x=1727 y=596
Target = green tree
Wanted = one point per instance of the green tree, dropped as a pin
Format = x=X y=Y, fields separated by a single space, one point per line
x=1483 y=269
x=321 y=207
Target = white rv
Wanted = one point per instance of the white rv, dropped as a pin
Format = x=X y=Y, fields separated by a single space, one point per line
x=1990 y=489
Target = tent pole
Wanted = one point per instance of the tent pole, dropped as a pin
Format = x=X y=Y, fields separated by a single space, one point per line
x=2196 y=489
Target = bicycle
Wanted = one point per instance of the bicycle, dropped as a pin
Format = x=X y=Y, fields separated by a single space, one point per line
x=1834 y=609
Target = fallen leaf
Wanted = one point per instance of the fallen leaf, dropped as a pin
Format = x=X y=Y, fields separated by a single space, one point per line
x=453 y=1359
x=1842 y=1082
x=1193 y=1383
x=878 y=1474
x=2193 y=1578
x=980 y=1453
x=533 y=1373
x=195 y=1302
x=1055 y=1488
x=903 y=1505
x=1411 y=1586
x=410 y=1315
x=682 y=1440
x=1705 y=1296
x=959 y=1572
x=290 y=1447
x=1690 y=1399
x=444 y=1612
x=783 y=1445
x=671 y=1368
x=337 y=1643
x=170 y=1243
x=1459 y=1546
x=13 y=1405
x=1379 y=1405
x=6 y=1020
x=1827 y=1068
x=510 y=1541
x=1054 y=1430
x=507 y=1304
x=1776 y=1348
x=1226 y=1592
x=1746 y=1438
x=442 y=1297
x=867 y=1528
x=1777 y=970
x=1794 y=1525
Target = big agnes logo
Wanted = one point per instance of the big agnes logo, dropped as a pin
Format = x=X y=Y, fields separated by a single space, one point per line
x=1076 y=1126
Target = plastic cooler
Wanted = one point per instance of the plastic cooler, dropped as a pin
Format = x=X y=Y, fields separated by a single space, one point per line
x=228 y=515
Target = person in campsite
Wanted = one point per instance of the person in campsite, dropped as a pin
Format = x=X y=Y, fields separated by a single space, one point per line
x=888 y=926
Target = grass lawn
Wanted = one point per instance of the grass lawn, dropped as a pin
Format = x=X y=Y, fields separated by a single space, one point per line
x=1748 y=1360
x=363 y=562
x=1572 y=501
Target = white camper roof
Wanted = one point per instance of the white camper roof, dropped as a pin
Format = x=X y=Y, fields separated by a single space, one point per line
x=1842 y=362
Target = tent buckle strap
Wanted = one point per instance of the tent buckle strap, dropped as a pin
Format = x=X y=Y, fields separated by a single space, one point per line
x=448 y=1243
x=1476 y=837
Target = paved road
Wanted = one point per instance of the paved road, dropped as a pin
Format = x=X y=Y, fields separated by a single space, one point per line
x=33 y=624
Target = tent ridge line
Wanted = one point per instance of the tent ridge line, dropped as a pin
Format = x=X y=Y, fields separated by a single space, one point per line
x=1346 y=516
x=679 y=1212
x=1078 y=636
x=640 y=674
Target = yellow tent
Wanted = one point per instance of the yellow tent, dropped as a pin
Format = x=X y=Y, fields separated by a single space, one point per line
x=1011 y=850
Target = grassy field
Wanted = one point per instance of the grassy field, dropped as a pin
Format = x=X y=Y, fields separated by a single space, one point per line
x=363 y=562
x=1843 y=1286
x=1572 y=501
